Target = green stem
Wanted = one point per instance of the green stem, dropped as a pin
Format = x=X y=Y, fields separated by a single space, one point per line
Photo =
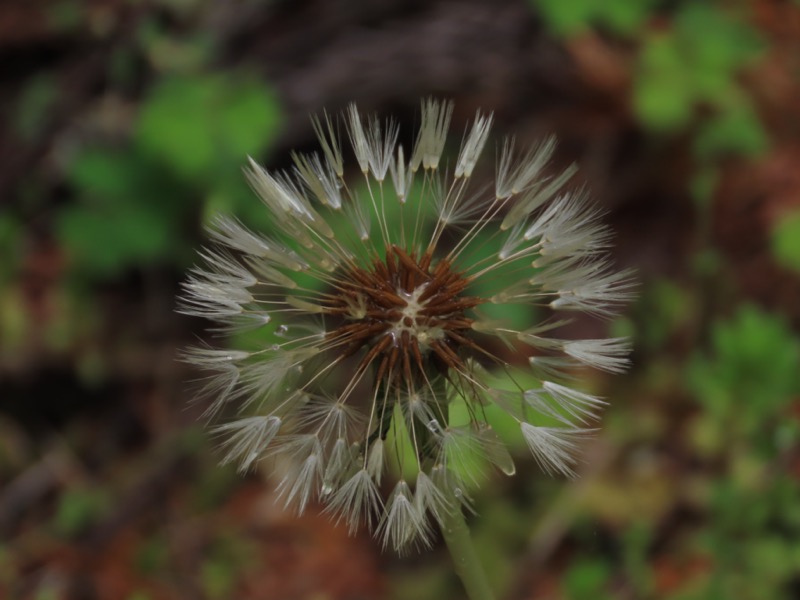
x=468 y=567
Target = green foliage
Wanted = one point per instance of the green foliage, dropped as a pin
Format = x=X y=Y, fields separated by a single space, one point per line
x=702 y=185
x=192 y=124
x=745 y=383
x=227 y=559
x=218 y=579
x=765 y=522
x=662 y=309
x=786 y=241
x=686 y=74
x=695 y=63
x=751 y=368
x=78 y=508
x=636 y=540
x=152 y=556
x=190 y=139
x=663 y=96
x=129 y=214
x=587 y=580
x=569 y=18
x=734 y=130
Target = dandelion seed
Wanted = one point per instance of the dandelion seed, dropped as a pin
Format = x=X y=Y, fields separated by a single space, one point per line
x=554 y=449
x=356 y=501
x=606 y=354
x=300 y=484
x=430 y=498
x=371 y=295
x=432 y=134
x=473 y=145
x=248 y=438
x=403 y=523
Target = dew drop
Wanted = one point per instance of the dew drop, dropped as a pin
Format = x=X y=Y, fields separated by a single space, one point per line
x=458 y=493
x=509 y=470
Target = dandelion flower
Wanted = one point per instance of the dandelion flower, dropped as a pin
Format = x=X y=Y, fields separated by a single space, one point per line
x=380 y=298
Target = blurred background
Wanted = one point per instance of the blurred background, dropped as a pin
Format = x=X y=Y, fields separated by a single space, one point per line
x=124 y=125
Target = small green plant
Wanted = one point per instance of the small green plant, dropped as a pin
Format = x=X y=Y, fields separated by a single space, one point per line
x=618 y=16
x=695 y=64
x=587 y=579
x=688 y=60
x=746 y=382
x=78 y=508
x=749 y=375
x=786 y=241
x=136 y=204
x=685 y=70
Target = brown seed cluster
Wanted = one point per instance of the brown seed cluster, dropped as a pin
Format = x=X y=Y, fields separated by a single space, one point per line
x=407 y=315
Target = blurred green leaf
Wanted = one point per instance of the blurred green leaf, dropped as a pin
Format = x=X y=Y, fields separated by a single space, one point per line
x=736 y=131
x=717 y=41
x=696 y=63
x=190 y=123
x=570 y=18
x=218 y=578
x=566 y=18
x=663 y=308
x=662 y=95
x=107 y=176
x=78 y=508
x=227 y=559
x=786 y=240
x=750 y=371
x=587 y=579
x=702 y=185
x=105 y=241
x=129 y=213
x=624 y=16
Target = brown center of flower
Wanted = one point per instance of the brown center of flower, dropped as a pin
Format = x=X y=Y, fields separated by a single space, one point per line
x=407 y=315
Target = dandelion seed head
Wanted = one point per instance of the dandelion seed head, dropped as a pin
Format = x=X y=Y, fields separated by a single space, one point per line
x=369 y=293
